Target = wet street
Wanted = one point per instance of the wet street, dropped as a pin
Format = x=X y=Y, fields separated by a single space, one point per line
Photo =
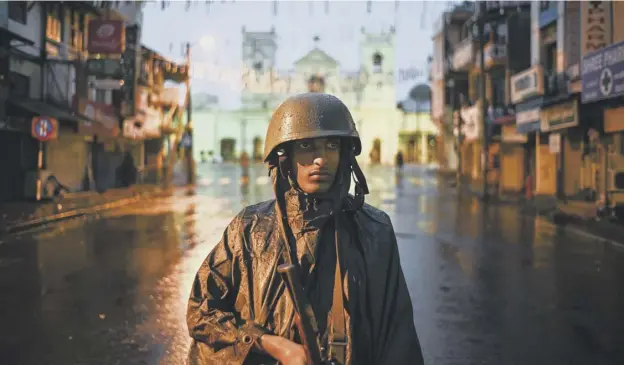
x=489 y=286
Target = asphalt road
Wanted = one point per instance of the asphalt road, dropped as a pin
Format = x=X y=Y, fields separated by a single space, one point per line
x=489 y=285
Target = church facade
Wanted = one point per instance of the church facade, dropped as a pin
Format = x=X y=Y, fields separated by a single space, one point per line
x=368 y=92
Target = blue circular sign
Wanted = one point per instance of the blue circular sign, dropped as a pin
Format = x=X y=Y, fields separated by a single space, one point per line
x=43 y=128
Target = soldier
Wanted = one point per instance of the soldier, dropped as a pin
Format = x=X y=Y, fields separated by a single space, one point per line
x=239 y=311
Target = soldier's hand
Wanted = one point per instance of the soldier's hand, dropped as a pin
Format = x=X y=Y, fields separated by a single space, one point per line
x=284 y=350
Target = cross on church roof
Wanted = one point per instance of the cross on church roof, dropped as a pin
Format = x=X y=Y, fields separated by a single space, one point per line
x=316 y=39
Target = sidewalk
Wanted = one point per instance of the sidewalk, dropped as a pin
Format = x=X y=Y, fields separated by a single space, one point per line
x=18 y=216
x=574 y=215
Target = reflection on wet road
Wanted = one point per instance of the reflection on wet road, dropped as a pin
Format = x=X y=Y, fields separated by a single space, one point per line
x=488 y=285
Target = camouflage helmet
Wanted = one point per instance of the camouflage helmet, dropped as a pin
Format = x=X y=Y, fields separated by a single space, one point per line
x=310 y=115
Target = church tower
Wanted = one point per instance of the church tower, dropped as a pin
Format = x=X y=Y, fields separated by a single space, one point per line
x=379 y=120
x=258 y=63
x=257 y=97
x=377 y=59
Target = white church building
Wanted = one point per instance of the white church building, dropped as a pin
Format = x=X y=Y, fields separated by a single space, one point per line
x=368 y=92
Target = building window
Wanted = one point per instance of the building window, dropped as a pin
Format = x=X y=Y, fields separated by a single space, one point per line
x=53 y=24
x=18 y=11
x=377 y=62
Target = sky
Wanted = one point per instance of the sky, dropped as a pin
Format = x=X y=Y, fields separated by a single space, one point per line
x=215 y=30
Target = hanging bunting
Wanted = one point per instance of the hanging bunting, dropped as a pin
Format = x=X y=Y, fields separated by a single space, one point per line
x=369 y=6
x=327 y=7
x=275 y=7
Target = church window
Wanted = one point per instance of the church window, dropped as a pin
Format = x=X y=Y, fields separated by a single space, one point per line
x=258 y=66
x=377 y=62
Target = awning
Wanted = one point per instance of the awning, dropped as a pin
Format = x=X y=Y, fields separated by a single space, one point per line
x=40 y=108
x=16 y=37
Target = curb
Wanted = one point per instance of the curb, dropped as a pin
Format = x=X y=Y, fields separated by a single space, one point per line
x=547 y=214
x=80 y=212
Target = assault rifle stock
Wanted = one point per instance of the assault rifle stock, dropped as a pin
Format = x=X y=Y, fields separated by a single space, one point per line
x=305 y=321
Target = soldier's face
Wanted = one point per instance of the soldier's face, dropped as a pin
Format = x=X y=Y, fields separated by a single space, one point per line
x=315 y=162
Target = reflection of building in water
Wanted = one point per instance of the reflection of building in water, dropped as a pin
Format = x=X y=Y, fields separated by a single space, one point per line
x=369 y=92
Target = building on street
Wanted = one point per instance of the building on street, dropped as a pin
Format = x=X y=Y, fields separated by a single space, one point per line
x=68 y=87
x=369 y=92
x=551 y=120
x=445 y=81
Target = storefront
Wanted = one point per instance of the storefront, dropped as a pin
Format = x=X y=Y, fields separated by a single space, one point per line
x=559 y=126
x=526 y=91
x=528 y=124
x=602 y=93
x=513 y=172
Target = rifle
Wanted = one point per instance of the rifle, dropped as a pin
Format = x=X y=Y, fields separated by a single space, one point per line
x=305 y=321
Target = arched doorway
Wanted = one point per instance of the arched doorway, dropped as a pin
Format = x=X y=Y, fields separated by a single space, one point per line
x=376 y=151
x=257 y=153
x=227 y=149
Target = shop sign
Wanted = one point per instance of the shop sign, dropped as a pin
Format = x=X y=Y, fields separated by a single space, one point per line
x=509 y=134
x=596 y=25
x=560 y=116
x=526 y=84
x=554 y=142
x=528 y=116
x=613 y=120
x=105 y=68
x=104 y=117
x=602 y=74
x=106 y=36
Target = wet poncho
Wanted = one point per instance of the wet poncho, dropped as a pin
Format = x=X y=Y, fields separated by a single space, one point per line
x=237 y=294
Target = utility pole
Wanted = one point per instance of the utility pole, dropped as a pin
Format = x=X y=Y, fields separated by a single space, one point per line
x=482 y=98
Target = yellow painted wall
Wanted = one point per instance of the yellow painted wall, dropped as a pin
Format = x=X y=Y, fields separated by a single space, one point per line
x=545 y=169
x=572 y=165
x=512 y=168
